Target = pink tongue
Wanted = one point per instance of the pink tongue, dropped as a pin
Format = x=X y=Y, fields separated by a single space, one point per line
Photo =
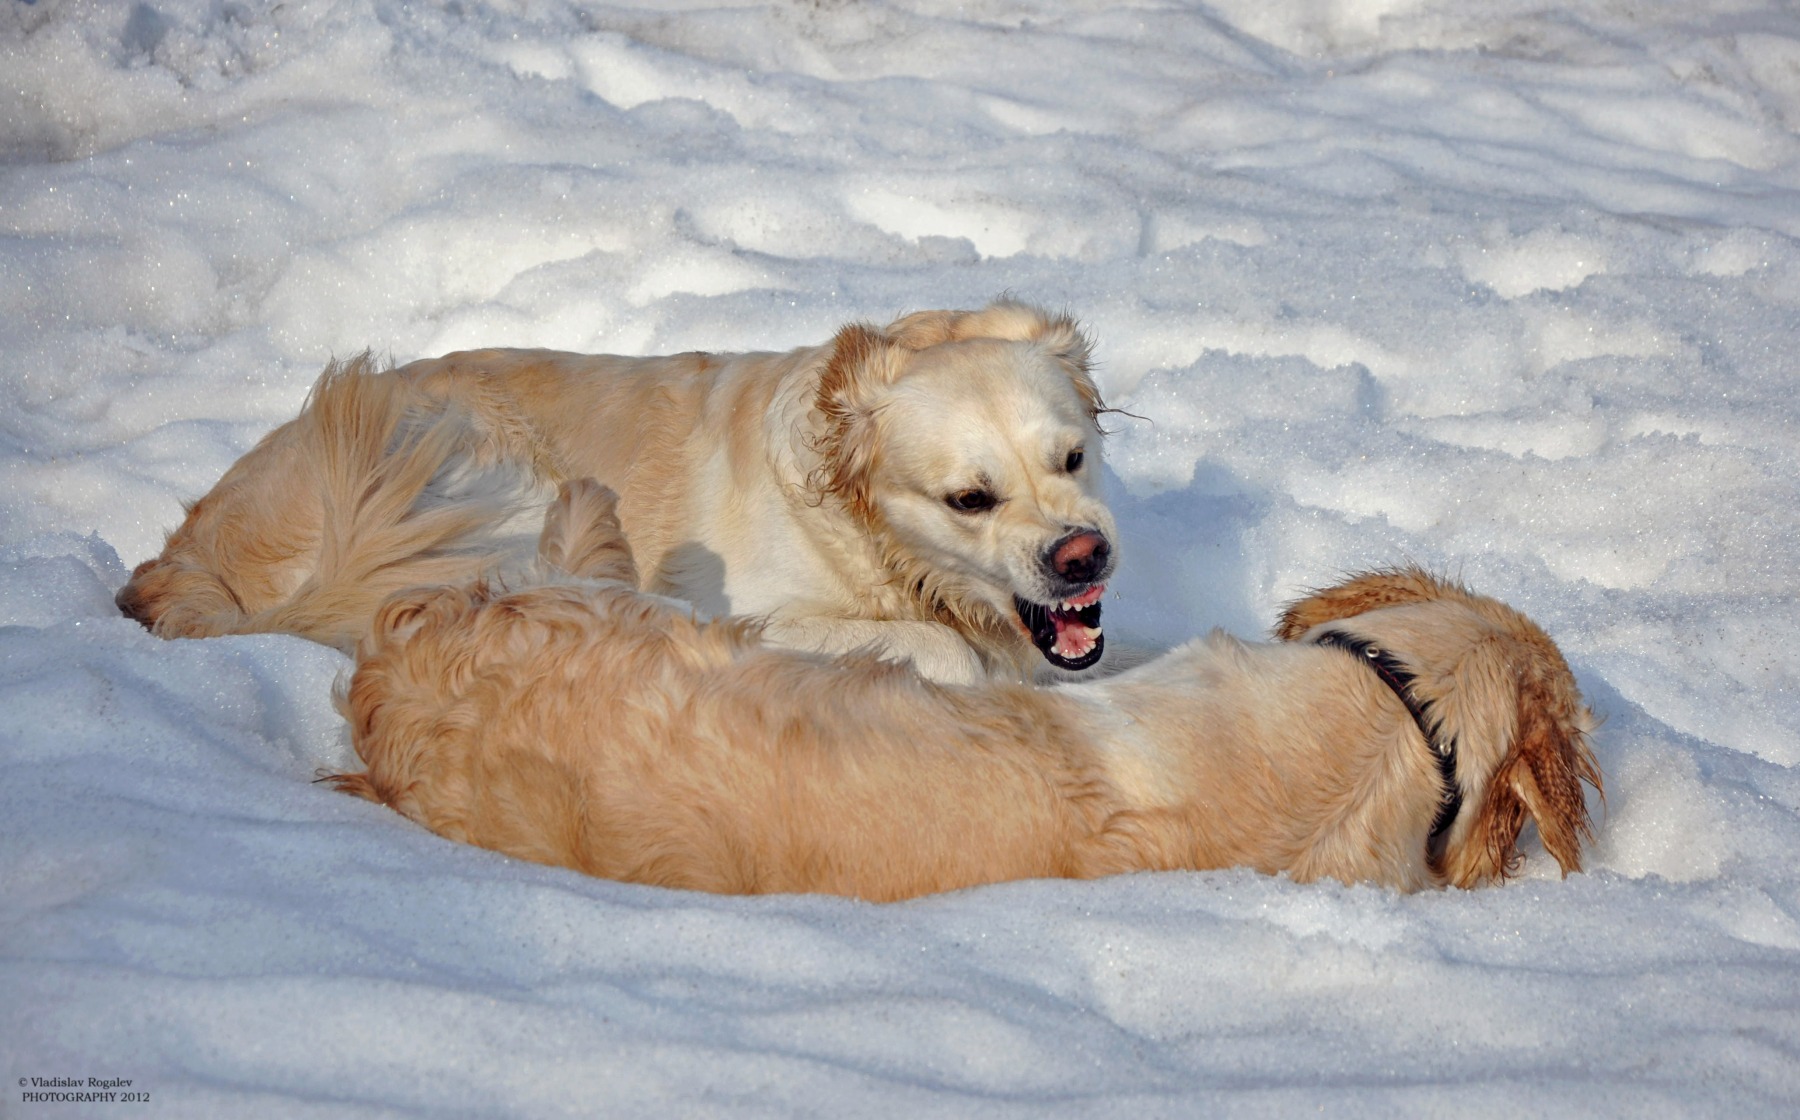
x=1073 y=640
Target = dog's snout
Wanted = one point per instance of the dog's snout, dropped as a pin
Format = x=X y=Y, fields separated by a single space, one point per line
x=132 y=606
x=1080 y=557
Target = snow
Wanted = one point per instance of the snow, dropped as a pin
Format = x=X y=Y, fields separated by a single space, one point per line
x=1505 y=288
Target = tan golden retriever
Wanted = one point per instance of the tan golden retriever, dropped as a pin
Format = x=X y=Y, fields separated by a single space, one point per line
x=930 y=491
x=1399 y=735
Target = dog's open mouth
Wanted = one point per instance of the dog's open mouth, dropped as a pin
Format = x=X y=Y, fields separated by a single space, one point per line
x=1066 y=633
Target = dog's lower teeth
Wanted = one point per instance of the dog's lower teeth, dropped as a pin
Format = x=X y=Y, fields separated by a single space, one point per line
x=1054 y=625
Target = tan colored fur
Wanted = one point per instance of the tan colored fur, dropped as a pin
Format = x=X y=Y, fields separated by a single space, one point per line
x=584 y=724
x=807 y=488
x=1500 y=688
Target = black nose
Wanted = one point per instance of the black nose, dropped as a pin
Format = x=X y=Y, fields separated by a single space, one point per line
x=1080 y=557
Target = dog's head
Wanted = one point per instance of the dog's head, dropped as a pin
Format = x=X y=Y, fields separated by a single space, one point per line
x=967 y=443
x=166 y=588
x=1493 y=683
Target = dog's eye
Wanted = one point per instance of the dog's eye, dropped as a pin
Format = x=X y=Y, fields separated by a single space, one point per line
x=1073 y=463
x=970 y=501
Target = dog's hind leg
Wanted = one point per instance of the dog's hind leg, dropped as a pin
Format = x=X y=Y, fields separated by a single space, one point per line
x=582 y=537
x=412 y=494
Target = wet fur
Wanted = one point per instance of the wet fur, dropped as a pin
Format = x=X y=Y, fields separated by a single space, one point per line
x=807 y=487
x=584 y=724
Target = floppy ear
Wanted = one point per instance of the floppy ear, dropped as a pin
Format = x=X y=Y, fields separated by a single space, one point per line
x=582 y=537
x=863 y=362
x=1541 y=777
x=405 y=613
x=1388 y=587
x=370 y=691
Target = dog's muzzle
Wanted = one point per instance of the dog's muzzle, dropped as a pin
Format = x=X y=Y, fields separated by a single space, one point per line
x=1067 y=630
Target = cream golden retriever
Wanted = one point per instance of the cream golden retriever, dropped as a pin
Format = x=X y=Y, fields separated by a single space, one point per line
x=1400 y=734
x=930 y=491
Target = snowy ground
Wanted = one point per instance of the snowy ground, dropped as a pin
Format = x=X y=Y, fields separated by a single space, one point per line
x=1503 y=287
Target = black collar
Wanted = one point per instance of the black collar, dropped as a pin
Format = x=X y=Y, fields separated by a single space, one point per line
x=1398 y=678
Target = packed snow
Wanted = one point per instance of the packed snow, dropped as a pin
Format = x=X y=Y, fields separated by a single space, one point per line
x=1505 y=288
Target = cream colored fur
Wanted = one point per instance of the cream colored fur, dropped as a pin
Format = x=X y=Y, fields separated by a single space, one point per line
x=809 y=488
x=584 y=724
